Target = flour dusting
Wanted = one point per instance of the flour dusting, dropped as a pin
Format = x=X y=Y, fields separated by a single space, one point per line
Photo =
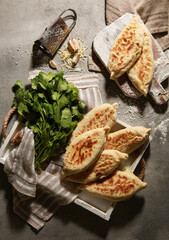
x=162 y=128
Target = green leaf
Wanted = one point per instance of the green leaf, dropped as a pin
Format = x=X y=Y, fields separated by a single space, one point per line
x=74 y=125
x=59 y=75
x=34 y=82
x=81 y=106
x=75 y=111
x=55 y=95
x=19 y=96
x=66 y=118
x=63 y=101
x=62 y=86
x=22 y=109
x=48 y=109
x=47 y=77
x=17 y=86
x=70 y=87
x=28 y=95
x=36 y=107
x=41 y=95
x=42 y=85
x=66 y=113
x=56 y=113
x=35 y=128
x=74 y=94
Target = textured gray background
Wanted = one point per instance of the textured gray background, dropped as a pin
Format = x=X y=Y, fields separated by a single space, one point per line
x=145 y=216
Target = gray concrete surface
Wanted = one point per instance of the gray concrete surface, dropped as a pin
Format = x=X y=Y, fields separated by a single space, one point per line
x=145 y=216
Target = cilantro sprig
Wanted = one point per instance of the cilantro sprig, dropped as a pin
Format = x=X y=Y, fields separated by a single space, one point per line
x=52 y=109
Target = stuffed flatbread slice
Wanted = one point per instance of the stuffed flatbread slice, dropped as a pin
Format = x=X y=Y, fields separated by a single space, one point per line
x=141 y=73
x=84 y=150
x=121 y=185
x=126 y=48
x=106 y=164
x=99 y=117
x=128 y=139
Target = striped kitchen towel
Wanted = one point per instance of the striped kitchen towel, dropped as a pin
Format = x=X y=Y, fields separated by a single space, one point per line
x=20 y=166
x=37 y=196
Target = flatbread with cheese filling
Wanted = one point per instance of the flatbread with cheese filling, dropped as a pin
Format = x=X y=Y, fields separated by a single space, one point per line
x=99 y=117
x=106 y=164
x=141 y=73
x=121 y=185
x=84 y=150
x=126 y=48
x=128 y=139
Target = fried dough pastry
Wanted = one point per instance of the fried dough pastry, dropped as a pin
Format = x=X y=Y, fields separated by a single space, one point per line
x=84 y=150
x=99 y=117
x=106 y=164
x=141 y=73
x=121 y=185
x=126 y=48
x=128 y=139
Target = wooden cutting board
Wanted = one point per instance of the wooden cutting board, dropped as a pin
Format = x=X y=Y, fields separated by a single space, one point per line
x=102 y=45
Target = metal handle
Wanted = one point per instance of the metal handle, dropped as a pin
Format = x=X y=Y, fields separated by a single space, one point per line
x=54 y=35
x=74 y=17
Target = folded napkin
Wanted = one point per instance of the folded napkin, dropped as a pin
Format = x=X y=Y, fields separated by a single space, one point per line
x=20 y=166
x=37 y=195
x=154 y=14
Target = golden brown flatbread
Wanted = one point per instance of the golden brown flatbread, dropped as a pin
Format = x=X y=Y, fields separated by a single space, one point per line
x=126 y=48
x=106 y=164
x=84 y=150
x=128 y=139
x=121 y=185
x=99 y=117
x=141 y=73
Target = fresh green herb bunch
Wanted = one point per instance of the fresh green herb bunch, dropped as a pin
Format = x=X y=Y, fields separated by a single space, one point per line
x=52 y=109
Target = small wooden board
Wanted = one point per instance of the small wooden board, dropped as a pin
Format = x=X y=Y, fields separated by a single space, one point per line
x=102 y=45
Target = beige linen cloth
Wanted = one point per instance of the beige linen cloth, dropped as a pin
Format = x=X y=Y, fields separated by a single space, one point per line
x=37 y=196
x=154 y=14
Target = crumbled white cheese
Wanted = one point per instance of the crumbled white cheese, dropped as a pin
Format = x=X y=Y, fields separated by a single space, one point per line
x=67 y=57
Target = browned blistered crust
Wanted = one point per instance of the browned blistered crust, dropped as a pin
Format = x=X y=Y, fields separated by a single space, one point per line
x=121 y=140
x=142 y=72
x=119 y=186
x=122 y=185
x=106 y=164
x=81 y=150
x=127 y=140
x=98 y=121
x=146 y=65
x=124 y=44
x=126 y=48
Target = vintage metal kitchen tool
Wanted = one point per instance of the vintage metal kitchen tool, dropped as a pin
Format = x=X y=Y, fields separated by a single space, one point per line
x=54 y=35
x=105 y=39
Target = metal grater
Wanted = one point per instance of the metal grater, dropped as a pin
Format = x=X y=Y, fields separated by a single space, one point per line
x=54 y=36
